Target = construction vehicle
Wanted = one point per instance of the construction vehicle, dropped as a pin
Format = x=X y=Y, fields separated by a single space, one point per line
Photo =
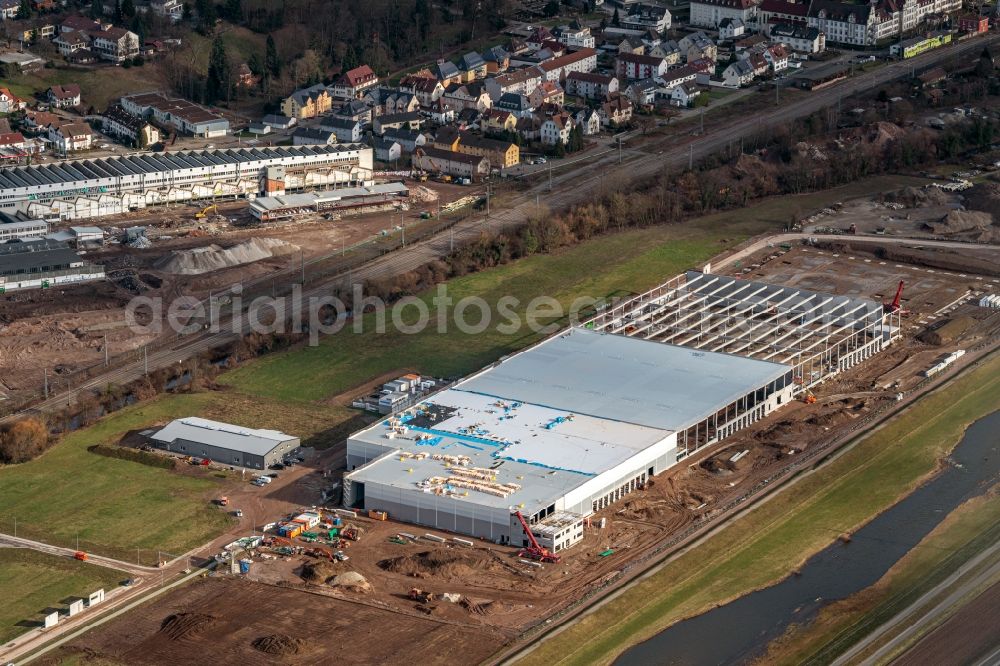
x=223 y=501
x=535 y=551
x=203 y=213
x=238 y=513
x=80 y=555
x=808 y=397
x=351 y=533
x=894 y=305
x=853 y=229
x=421 y=596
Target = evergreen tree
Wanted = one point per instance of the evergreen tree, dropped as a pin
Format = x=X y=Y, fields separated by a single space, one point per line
x=271 y=60
x=128 y=8
x=233 y=10
x=24 y=10
x=219 y=75
x=139 y=28
x=96 y=9
x=615 y=19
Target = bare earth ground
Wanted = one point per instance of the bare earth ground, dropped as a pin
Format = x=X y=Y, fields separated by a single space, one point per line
x=500 y=597
x=64 y=329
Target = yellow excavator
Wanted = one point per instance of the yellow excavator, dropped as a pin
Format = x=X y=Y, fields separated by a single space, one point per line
x=203 y=213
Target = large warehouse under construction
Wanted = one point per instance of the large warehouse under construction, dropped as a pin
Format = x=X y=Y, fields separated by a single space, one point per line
x=574 y=423
x=75 y=189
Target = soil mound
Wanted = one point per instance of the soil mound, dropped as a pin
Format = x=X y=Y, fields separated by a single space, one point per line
x=478 y=606
x=352 y=581
x=185 y=625
x=318 y=572
x=213 y=258
x=958 y=221
x=916 y=197
x=436 y=563
x=281 y=645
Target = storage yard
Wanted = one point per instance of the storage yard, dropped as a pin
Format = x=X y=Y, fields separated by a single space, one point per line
x=486 y=593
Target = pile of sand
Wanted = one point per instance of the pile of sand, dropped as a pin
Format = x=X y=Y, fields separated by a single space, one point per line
x=440 y=563
x=318 y=572
x=184 y=625
x=352 y=581
x=917 y=197
x=213 y=258
x=478 y=606
x=279 y=644
x=958 y=221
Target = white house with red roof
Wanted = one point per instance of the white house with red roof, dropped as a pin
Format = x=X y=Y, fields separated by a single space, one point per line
x=353 y=83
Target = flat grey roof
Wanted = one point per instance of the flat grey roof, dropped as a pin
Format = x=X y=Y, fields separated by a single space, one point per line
x=327 y=196
x=625 y=379
x=224 y=435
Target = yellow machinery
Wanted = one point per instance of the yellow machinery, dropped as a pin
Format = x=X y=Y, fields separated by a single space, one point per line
x=203 y=213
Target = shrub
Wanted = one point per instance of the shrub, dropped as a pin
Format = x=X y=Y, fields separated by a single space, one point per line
x=23 y=440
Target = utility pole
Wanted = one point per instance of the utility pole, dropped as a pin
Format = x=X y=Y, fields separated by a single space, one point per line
x=45 y=379
x=105 y=350
x=302 y=256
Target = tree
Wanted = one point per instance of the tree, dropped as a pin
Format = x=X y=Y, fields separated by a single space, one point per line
x=615 y=19
x=271 y=60
x=96 y=9
x=233 y=11
x=24 y=10
x=206 y=15
x=217 y=83
x=551 y=8
x=23 y=440
x=139 y=28
x=575 y=139
x=128 y=8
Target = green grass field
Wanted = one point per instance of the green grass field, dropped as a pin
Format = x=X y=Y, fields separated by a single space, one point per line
x=99 y=86
x=32 y=582
x=776 y=537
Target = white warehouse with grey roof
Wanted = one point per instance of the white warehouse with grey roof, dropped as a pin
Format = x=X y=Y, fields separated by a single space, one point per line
x=225 y=443
x=569 y=426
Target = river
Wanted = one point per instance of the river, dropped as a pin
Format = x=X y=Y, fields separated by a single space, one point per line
x=739 y=631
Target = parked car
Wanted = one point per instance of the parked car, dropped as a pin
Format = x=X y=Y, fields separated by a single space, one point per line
x=277 y=466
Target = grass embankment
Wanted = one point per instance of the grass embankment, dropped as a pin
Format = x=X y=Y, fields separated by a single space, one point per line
x=99 y=86
x=32 y=582
x=964 y=533
x=765 y=545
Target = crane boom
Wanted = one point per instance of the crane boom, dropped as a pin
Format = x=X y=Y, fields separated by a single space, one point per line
x=535 y=551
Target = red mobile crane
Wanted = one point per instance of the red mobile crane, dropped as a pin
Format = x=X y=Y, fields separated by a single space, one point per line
x=894 y=305
x=535 y=551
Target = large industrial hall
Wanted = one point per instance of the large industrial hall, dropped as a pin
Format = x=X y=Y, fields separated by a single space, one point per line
x=574 y=423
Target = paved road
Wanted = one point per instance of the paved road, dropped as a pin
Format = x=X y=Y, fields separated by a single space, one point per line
x=572 y=181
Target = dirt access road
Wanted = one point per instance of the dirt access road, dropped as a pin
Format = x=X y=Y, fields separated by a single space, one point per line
x=572 y=184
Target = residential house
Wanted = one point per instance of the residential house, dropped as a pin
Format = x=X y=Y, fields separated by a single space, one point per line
x=799 y=37
x=275 y=121
x=737 y=74
x=9 y=9
x=629 y=45
x=521 y=81
x=408 y=120
x=40 y=120
x=710 y=13
x=245 y=78
x=38 y=31
x=557 y=69
x=77 y=23
x=681 y=75
x=667 y=49
x=187 y=117
x=575 y=36
x=589 y=121
x=647 y=17
x=408 y=140
x=616 y=111
x=538 y=37
x=9 y=102
x=781 y=12
x=731 y=28
x=684 y=94
x=69 y=43
x=642 y=92
x=974 y=24
x=131 y=129
x=519 y=105
x=776 y=56
x=447 y=73
x=258 y=128
x=114 y=44
x=500 y=153
x=81 y=57
x=442 y=113
x=353 y=83
x=548 y=92
x=70 y=137
x=472 y=66
x=632 y=67
x=398 y=102
x=758 y=62
x=312 y=136
x=530 y=128
x=697 y=45
x=13 y=141
x=590 y=85
x=307 y=102
x=347 y=130
x=497 y=60
x=426 y=90
x=435 y=160
x=354 y=109
x=172 y=9
x=497 y=121
x=470 y=96
x=64 y=97
x=387 y=150
x=43 y=5
x=556 y=129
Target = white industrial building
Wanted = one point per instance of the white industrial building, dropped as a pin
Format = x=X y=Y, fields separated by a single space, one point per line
x=571 y=425
x=77 y=189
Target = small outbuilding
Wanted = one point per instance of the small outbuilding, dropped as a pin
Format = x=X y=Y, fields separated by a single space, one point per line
x=225 y=443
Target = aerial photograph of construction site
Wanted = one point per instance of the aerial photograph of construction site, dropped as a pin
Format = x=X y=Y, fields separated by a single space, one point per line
x=518 y=333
